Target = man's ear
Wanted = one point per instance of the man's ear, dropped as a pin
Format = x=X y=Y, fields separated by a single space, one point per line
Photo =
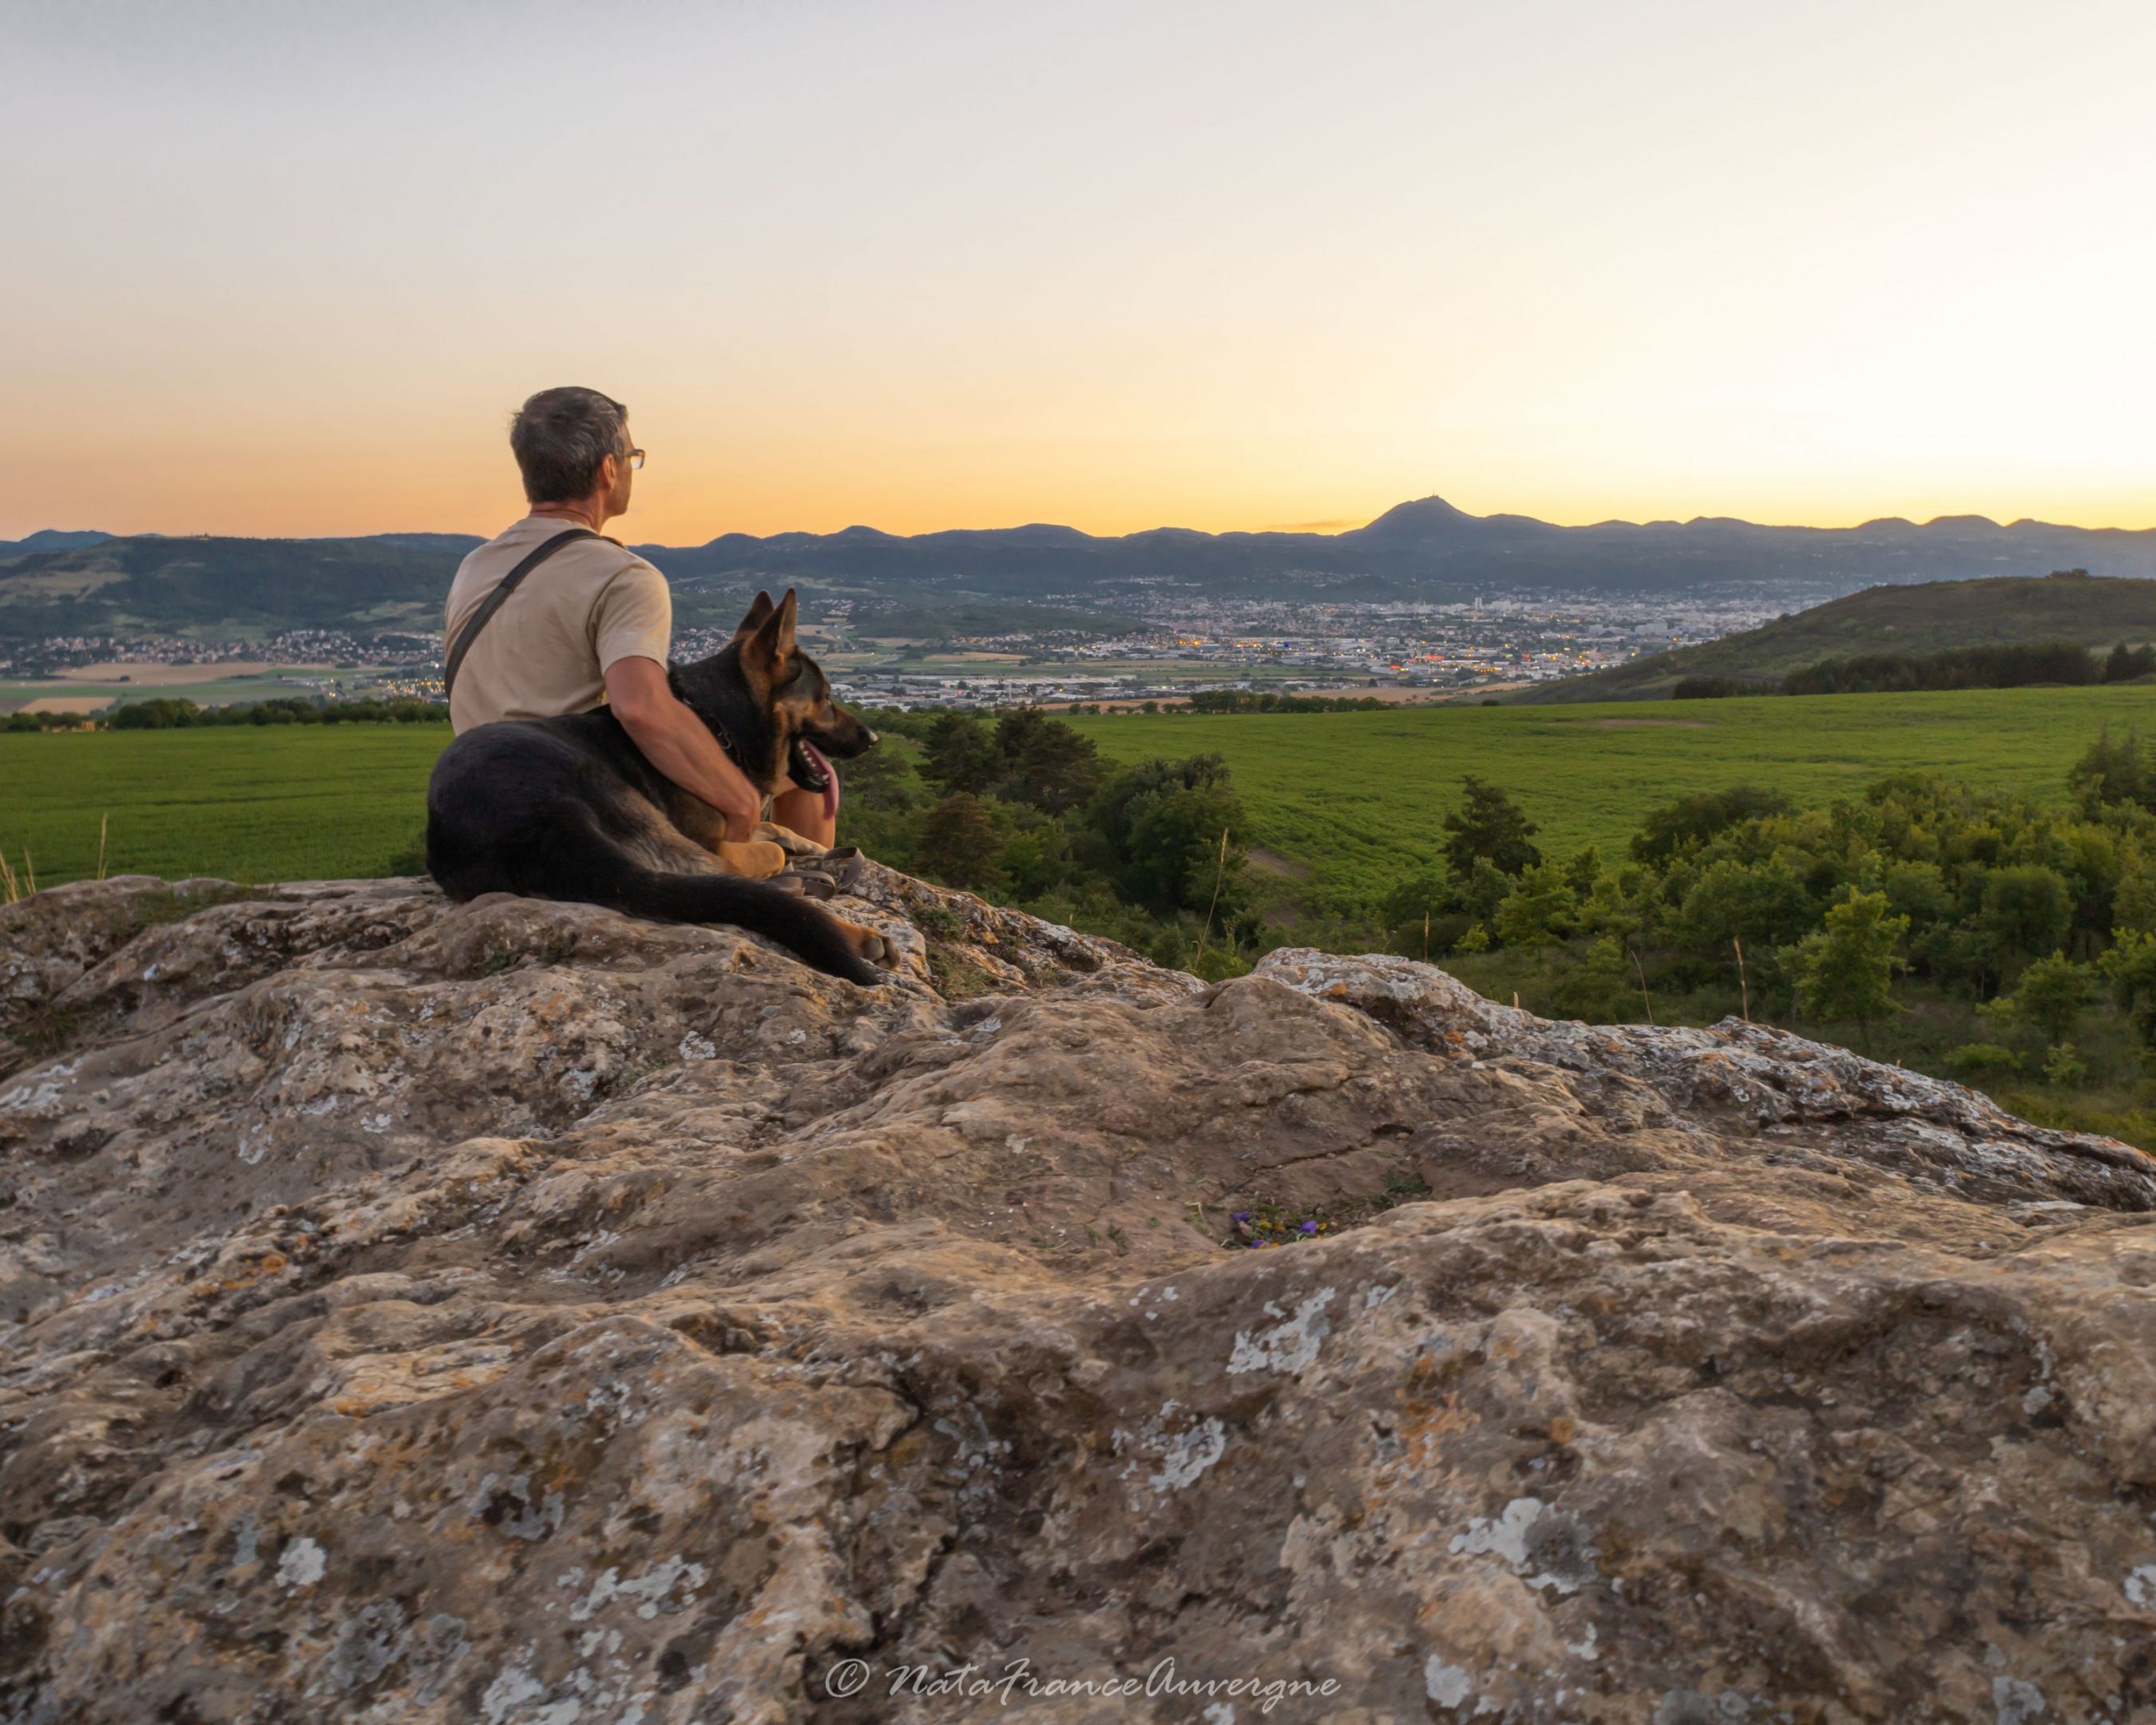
x=759 y=608
x=771 y=644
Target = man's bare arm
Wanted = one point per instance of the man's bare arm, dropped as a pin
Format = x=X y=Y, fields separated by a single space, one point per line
x=679 y=744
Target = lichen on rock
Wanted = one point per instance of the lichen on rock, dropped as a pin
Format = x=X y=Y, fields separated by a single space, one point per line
x=516 y=1312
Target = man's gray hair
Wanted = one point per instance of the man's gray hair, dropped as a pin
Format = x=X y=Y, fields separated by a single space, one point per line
x=560 y=436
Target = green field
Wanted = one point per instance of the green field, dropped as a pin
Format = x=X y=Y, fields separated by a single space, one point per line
x=277 y=803
x=1355 y=798
x=1360 y=796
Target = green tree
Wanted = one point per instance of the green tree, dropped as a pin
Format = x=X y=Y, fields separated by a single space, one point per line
x=1581 y=871
x=1175 y=853
x=960 y=755
x=1424 y=893
x=2025 y=911
x=2112 y=774
x=2133 y=905
x=2126 y=665
x=2050 y=998
x=160 y=712
x=1614 y=907
x=1419 y=915
x=1014 y=730
x=2131 y=965
x=1036 y=858
x=1539 y=911
x=1918 y=890
x=958 y=844
x=1482 y=891
x=2064 y=1067
x=1846 y=971
x=1054 y=768
x=1764 y=905
x=1109 y=812
x=880 y=779
x=1690 y=822
x=1488 y=824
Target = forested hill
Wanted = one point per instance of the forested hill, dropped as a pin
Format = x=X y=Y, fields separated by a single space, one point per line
x=1929 y=617
x=214 y=585
x=85 y=583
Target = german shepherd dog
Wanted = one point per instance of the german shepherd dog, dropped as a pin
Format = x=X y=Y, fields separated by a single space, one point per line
x=570 y=809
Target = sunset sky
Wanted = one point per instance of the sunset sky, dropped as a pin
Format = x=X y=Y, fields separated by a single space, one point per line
x=288 y=268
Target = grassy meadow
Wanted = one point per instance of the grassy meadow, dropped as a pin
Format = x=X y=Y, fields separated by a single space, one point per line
x=1349 y=802
x=269 y=802
x=1356 y=799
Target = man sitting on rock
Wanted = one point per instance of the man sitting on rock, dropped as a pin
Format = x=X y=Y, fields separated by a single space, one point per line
x=595 y=622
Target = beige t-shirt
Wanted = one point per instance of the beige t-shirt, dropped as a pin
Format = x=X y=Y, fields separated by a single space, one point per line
x=545 y=651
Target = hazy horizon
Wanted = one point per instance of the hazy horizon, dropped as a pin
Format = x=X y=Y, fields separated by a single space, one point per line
x=624 y=527
x=287 y=271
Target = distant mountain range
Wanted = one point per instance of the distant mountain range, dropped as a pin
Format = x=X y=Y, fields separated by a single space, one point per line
x=85 y=583
x=1929 y=618
x=49 y=539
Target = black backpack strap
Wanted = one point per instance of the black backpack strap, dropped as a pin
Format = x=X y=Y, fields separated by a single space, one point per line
x=494 y=600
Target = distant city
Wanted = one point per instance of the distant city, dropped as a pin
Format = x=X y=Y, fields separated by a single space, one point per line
x=1425 y=603
x=1405 y=649
x=1432 y=650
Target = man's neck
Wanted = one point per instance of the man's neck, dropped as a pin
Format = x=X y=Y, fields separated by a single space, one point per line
x=585 y=512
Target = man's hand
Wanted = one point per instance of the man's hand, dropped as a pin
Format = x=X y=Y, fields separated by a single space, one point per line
x=679 y=744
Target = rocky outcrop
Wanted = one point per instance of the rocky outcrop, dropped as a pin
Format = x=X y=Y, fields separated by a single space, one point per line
x=517 y=1312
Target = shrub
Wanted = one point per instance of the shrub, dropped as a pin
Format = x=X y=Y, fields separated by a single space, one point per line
x=1707 y=688
x=1983 y=1062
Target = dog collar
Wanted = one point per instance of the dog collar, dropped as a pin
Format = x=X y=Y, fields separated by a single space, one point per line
x=726 y=741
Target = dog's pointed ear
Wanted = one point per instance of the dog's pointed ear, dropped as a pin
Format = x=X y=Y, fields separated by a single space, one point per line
x=770 y=643
x=759 y=608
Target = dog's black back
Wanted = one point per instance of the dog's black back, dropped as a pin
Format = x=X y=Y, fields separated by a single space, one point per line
x=570 y=809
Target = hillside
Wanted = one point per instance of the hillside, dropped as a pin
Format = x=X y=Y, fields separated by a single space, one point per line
x=520 y=1311
x=55 y=585
x=216 y=585
x=48 y=539
x=1926 y=618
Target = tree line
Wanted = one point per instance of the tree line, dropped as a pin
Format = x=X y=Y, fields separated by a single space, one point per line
x=1253 y=700
x=2019 y=665
x=165 y=712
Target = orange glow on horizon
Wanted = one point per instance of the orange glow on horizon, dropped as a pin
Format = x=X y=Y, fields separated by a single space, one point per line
x=1195 y=264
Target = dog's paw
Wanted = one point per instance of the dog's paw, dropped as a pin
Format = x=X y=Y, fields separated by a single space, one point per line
x=787 y=840
x=875 y=949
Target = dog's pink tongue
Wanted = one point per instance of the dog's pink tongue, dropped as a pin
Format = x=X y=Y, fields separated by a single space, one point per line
x=830 y=778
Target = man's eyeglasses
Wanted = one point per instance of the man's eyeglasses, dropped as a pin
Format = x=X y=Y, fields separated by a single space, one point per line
x=635 y=458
